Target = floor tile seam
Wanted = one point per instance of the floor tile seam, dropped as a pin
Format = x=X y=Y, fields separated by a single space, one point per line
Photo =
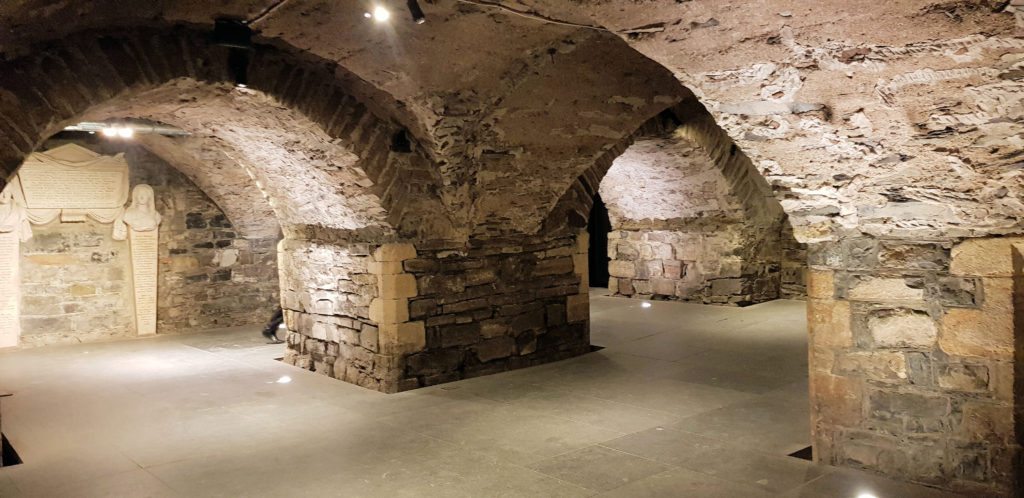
x=640 y=337
x=674 y=468
x=12 y=482
x=607 y=400
x=716 y=476
x=614 y=402
x=50 y=487
x=731 y=444
x=617 y=450
x=652 y=357
x=659 y=462
x=559 y=479
x=175 y=490
x=565 y=419
x=473 y=451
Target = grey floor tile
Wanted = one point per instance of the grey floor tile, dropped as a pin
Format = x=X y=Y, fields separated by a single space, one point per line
x=204 y=415
x=514 y=433
x=678 y=483
x=133 y=483
x=768 y=424
x=726 y=461
x=611 y=415
x=844 y=483
x=598 y=468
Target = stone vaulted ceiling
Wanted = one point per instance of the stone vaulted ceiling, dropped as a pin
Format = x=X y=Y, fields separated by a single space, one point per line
x=891 y=118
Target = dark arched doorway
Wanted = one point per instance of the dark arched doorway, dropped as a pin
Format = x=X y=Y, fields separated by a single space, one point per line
x=598 y=228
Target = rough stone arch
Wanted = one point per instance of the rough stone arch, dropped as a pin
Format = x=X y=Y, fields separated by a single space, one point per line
x=59 y=81
x=759 y=247
x=690 y=120
x=241 y=200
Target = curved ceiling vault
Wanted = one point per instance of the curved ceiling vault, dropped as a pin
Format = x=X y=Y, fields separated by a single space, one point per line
x=899 y=117
x=308 y=178
x=509 y=110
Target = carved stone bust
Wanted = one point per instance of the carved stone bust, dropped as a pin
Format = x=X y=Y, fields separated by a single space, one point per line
x=141 y=215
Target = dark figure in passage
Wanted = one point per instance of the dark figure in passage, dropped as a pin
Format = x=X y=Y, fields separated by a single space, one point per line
x=270 y=332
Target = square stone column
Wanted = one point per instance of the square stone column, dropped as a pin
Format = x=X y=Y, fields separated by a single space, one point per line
x=912 y=360
x=395 y=317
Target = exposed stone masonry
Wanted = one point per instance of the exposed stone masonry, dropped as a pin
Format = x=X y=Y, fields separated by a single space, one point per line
x=497 y=306
x=75 y=285
x=76 y=280
x=912 y=359
x=896 y=120
x=683 y=230
x=397 y=318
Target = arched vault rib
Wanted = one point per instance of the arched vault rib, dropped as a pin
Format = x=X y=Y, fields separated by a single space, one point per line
x=225 y=181
x=309 y=178
x=97 y=73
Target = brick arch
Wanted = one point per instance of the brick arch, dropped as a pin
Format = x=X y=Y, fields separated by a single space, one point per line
x=58 y=82
x=692 y=121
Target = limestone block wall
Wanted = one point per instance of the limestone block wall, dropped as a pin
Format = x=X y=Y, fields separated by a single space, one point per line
x=793 y=278
x=76 y=280
x=707 y=262
x=498 y=306
x=326 y=292
x=912 y=357
x=689 y=225
x=393 y=317
x=75 y=285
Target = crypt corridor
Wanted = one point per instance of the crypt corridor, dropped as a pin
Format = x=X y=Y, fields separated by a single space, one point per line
x=803 y=218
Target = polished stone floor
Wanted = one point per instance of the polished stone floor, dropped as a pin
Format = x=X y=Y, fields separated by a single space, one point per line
x=683 y=401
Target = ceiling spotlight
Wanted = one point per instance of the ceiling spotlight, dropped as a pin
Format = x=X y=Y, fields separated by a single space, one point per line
x=110 y=132
x=380 y=14
x=367 y=15
x=417 y=13
x=125 y=132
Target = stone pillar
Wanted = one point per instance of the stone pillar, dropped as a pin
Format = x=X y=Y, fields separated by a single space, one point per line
x=912 y=360
x=578 y=305
x=398 y=336
x=394 y=317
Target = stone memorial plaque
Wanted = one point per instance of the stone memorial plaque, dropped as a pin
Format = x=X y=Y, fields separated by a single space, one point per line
x=144 y=274
x=10 y=328
x=71 y=177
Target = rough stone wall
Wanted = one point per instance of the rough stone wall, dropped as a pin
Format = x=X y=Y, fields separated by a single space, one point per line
x=501 y=305
x=394 y=318
x=75 y=285
x=794 y=265
x=326 y=292
x=76 y=280
x=681 y=231
x=912 y=359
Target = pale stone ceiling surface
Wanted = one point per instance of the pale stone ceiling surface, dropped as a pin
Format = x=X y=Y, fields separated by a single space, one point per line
x=245 y=139
x=892 y=118
x=666 y=179
x=222 y=178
